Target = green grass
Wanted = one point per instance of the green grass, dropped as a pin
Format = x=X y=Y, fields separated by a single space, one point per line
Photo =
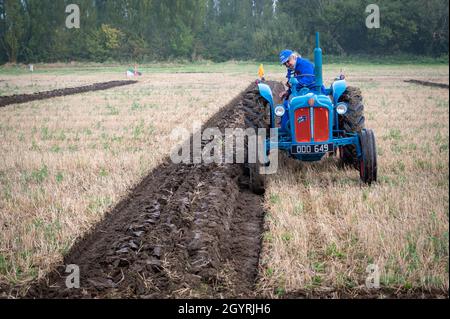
x=111 y=110
x=269 y=272
x=55 y=149
x=138 y=130
x=333 y=251
x=36 y=176
x=286 y=237
x=316 y=280
x=394 y=134
x=318 y=267
x=97 y=204
x=46 y=134
x=280 y=292
x=136 y=106
x=274 y=199
x=298 y=209
x=237 y=67
x=400 y=59
x=103 y=172
x=59 y=177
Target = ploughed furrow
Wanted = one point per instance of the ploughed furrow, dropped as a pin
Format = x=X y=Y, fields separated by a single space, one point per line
x=428 y=83
x=187 y=230
x=24 y=98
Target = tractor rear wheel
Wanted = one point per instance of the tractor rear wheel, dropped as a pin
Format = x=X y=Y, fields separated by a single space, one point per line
x=368 y=160
x=351 y=122
x=257 y=181
x=257 y=116
x=257 y=110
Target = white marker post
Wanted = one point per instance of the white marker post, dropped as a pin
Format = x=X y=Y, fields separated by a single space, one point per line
x=31 y=68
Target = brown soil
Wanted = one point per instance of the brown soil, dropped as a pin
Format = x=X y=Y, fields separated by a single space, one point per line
x=427 y=83
x=184 y=231
x=24 y=98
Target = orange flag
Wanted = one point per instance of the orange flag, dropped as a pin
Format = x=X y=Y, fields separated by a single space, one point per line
x=261 y=71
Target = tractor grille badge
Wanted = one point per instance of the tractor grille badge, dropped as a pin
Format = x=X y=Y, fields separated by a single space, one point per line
x=302 y=119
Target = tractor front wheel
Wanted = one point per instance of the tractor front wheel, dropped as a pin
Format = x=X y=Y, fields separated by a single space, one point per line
x=368 y=158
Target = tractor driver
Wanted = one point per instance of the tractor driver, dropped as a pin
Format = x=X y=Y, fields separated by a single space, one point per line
x=298 y=67
x=302 y=69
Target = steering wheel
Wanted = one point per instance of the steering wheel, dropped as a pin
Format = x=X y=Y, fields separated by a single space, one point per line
x=297 y=86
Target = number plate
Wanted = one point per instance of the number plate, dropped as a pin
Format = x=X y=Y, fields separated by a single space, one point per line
x=312 y=149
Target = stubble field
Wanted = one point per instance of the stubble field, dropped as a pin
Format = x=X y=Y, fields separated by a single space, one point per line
x=65 y=162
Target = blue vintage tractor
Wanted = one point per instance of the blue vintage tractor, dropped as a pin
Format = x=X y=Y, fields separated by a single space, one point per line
x=320 y=121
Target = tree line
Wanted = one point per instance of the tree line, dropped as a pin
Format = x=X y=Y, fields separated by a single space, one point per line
x=218 y=30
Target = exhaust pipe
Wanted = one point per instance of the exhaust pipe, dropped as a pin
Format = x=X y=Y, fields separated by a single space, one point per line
x=318 y=64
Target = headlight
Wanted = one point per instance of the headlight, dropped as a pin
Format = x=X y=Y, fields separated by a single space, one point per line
x=341 y=108
x=279 y=110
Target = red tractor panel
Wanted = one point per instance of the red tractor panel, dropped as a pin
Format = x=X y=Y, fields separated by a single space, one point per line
x=302 y=125
x=321 y=125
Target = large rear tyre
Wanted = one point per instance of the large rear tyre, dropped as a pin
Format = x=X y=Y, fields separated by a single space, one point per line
x=368 y=169
x=257 y=180
x=257 y=116
x=351 y=122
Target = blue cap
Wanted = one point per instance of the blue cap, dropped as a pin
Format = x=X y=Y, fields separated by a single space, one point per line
x=285 y=55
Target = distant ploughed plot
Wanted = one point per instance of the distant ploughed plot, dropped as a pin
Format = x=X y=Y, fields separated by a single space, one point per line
x=428 y=83
x=24 y=98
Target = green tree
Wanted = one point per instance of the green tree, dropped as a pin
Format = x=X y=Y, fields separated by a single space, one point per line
x=34 y=30
x=14 y=24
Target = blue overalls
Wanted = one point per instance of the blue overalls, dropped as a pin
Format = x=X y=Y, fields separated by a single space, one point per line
x=304 y=72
